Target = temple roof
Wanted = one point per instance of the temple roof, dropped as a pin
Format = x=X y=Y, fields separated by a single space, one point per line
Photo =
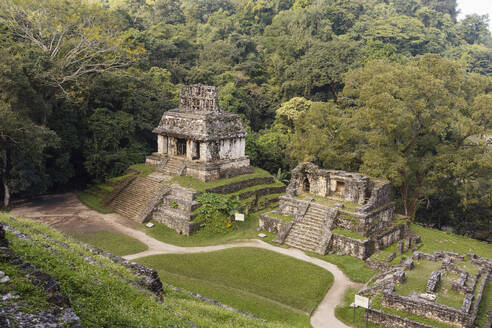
x=199 y=117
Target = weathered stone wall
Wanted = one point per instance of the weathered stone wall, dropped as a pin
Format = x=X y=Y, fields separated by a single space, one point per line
x=424 y=308
x=351 y=246
x=389 y=237
x=290 y=206
x=392 y=321
x=234 y=187
x=199 y=98
x=179 y=225
x=271 y=224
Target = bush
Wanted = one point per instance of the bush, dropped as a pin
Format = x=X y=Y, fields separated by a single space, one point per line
x=216 y=212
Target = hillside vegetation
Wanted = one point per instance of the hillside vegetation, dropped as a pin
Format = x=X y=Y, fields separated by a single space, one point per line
x=102 y=293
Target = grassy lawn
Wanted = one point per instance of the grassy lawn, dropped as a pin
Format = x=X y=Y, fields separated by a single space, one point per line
x=113 y=242
x=393 y=248
x=102 y=296
x=348 y=233
x=353 y=267
x=417 y=278
x=254 y=188
x=189 y=182
x=270 y=285
x=345 y=313
x=485 y=305
x=447 y=296
x=435 y=240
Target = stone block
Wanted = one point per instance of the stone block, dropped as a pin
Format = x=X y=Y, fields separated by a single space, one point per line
x=433 y=282
x=401 y=247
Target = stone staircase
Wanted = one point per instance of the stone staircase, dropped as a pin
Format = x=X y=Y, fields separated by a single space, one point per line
x=173 y=167
x=307 y=233
x=135 y=199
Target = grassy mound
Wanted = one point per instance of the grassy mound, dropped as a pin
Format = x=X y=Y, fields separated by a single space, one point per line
x=270 y=285
x=112 y=242
x=102 y=296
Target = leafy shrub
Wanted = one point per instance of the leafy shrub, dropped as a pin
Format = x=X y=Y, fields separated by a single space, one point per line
x=216 y=212
x=174 y=204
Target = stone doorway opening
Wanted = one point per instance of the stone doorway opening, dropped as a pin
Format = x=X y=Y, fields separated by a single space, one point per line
x=340 y=188
x=306 y=187
x=181 y=147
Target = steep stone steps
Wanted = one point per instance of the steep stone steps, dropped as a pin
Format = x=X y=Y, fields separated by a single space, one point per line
x=307 y=233
x=133 y=199
x=173 y=167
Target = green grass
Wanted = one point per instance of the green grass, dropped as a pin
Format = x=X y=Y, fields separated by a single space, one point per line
x=113 y=242
x=270 y=285
x=393 y=248
x=286 y=218
x=416 y=279
x=445 y=295
x=469 y=267
x=485 y=304
x=190 y=182
x=345 y=313
x=435 y=240
x=254 y=188
x=93 y=201
x=102 y=297
x=353 y=267
x=348 y=233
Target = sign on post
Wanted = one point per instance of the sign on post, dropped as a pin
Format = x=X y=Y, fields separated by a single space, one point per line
x=363 y=302
x=239 y=217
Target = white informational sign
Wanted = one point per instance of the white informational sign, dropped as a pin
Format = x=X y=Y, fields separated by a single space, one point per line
x=149 y=225
x=239 y=217
x=363 y=302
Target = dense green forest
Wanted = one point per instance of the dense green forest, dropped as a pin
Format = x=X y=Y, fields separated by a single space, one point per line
x=397 y=89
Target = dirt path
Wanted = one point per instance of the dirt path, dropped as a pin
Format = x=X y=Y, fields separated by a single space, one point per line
x=66 y=213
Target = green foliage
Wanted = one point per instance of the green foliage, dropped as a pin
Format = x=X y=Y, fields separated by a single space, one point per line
x=174 y=204
x=216 y=212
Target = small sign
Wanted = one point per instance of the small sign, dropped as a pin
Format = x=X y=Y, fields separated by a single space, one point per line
x=363 y=302
x=149 y=225
x=239 y=217
x=261 y=235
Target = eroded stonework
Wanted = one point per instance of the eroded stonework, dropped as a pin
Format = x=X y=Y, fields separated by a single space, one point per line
x=207 y=141
x=338 y=211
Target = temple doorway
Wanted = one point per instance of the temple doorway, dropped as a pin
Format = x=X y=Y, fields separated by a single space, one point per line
x=306 y=185
x=181 y=147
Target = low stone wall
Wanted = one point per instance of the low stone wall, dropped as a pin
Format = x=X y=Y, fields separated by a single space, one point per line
x=393 y=321
x=389 y=237
x=424 y=308
x=234 y=187
x=351 y=246
x=262 y=192
x=177 y=224
x=271 y=224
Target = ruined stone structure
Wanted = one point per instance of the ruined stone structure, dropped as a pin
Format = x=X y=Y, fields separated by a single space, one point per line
x=321 y=201
x=199 y=138
x=425 y=304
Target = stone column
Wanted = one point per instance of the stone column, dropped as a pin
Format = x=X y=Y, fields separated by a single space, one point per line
x=161 y=144
x=171 y=147
x=205 y=154
x=189 y=149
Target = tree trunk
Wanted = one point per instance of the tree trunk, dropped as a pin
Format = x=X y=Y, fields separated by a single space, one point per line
x=6 y=191
x=410 y=201
x=334 y=90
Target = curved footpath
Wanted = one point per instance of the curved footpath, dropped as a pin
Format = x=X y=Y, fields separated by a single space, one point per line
x=71 y=207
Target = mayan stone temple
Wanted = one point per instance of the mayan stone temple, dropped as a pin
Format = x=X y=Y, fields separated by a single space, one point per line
x=335 y=211
x=200 y=139
x=197 y=139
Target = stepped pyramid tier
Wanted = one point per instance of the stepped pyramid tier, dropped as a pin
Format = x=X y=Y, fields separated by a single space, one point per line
x=336 y=211
x=209 y=142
